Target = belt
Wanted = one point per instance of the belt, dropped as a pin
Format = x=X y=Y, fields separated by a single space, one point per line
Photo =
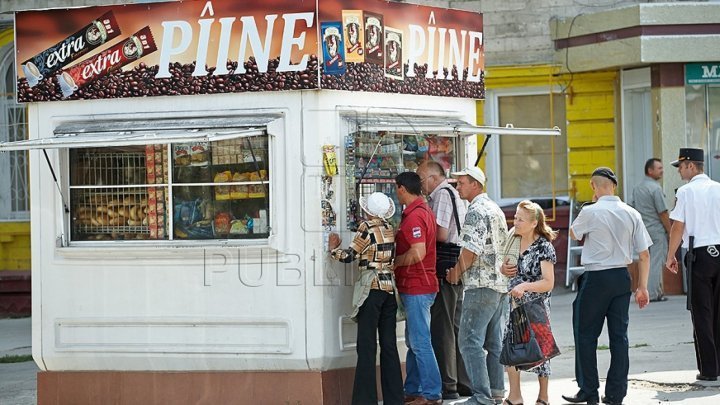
x=712 y=250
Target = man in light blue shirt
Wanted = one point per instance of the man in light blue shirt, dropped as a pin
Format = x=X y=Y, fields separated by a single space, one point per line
x=613 y=232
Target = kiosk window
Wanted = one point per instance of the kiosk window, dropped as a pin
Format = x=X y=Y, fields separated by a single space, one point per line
x=176 y=191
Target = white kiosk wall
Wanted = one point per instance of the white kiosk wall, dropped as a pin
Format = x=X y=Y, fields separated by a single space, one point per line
x=224 y=305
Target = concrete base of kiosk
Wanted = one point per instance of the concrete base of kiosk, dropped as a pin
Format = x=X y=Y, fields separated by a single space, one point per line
x=219 y=387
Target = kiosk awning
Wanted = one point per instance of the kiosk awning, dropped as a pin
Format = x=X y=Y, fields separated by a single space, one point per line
x=437 y=125
x=83 y=134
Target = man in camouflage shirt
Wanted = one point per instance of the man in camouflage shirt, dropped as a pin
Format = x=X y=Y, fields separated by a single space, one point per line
x=485 y=307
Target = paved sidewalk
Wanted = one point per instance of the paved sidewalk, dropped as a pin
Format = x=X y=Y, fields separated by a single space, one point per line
x=15 y=336
x=662 y=358
x=17 y=380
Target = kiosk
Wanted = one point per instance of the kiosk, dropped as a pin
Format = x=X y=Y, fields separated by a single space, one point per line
x=180 y=206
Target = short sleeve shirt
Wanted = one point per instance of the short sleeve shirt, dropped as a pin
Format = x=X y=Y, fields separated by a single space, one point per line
x=649 y=201
x=417 y=226
x=441 y=205
x=698 y=207
x=484 y=233
x=613 y=231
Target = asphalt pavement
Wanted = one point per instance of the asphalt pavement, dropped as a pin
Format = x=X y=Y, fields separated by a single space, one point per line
x=662 y=358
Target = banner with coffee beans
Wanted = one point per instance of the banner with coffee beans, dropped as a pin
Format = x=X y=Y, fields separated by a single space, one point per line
x=227 y=46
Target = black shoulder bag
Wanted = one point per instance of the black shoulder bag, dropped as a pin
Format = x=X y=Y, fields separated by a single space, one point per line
x=448 y=253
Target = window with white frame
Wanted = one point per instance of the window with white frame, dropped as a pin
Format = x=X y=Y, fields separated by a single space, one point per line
x=14 y=197
x=531 y=166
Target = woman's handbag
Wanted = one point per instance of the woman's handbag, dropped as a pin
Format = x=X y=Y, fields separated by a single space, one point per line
x=540 y=325
x=520 y=347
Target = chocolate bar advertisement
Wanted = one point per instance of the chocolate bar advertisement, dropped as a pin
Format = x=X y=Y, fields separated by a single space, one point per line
x=224 y=46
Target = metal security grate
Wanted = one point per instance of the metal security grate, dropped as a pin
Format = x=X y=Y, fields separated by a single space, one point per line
x=110 y=169
x=111 y=213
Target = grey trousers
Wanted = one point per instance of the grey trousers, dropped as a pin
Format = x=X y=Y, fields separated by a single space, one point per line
x=658 y=253
x=444 y=325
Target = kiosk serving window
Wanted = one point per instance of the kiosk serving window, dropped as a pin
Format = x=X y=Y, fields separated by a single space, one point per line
x=179 y=191
x=378 y=148
x=165 y=180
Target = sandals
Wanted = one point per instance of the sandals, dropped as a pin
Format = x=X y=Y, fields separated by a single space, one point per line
x=537 y=402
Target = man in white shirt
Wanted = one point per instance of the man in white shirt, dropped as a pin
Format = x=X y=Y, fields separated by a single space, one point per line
x=697 y=215
x=613 y=232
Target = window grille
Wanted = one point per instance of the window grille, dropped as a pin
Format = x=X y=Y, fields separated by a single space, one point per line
x=14 y=196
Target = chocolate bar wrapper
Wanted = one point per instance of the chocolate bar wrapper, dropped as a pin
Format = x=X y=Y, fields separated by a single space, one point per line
x=354 y=31
x=53 y=59
x=333 y=48
x=394 y=54
x=124 y=52
x=374 y=28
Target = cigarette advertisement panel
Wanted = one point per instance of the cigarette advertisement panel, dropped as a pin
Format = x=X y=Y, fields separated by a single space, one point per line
x=405 y=48
x=225 y=46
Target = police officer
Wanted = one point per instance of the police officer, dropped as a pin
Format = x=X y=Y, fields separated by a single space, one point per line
x=696 y=216
x=613 y=232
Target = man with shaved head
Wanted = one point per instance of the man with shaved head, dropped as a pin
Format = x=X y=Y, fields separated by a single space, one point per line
x=613 y=231
x=449 y=210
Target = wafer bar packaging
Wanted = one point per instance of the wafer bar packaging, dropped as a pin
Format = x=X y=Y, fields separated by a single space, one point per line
x=89 y=37
x=393 y=54
x=124 y=52
x=333 y=48
x=354 y=31
x=374 y=49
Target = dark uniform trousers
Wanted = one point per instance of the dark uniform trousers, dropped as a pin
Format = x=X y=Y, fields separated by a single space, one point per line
x=444 y=325
x=705 y=304
x=377 y=315
x=602 y=295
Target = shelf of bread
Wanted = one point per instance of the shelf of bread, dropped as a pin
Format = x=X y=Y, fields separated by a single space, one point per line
x=240 y=186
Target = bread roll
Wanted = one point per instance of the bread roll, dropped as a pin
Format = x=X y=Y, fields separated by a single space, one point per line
x=117 y=221
x=103 y=219
x=133 y=212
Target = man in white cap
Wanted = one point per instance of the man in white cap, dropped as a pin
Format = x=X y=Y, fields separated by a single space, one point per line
x=485 y=307
x=696 y=223
x=374 y=301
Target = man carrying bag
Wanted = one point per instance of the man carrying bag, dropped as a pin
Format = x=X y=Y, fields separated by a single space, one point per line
x=449 y=212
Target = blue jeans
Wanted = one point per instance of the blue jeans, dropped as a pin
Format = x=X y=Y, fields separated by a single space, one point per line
x=483 y=319
x=423 y=374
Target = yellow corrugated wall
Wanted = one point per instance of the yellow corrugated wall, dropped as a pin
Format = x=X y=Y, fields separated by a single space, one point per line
x=14 y=246
x=590 y=111
x=14 y=236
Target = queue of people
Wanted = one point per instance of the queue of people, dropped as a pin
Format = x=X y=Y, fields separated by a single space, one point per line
x=444 y=268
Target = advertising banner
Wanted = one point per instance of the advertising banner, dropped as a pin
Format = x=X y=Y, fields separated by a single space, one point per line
x=225 y=46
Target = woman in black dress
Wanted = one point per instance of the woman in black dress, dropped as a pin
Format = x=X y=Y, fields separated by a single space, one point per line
x=532 y=278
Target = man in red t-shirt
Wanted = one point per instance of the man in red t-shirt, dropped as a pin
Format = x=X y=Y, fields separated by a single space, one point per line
x=417 y=284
